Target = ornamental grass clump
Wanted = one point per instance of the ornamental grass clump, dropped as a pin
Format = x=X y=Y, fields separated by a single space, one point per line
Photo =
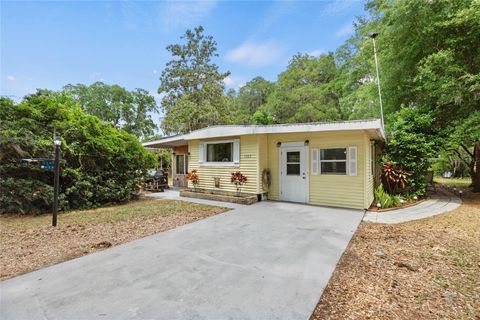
x=238 y=179
x=193 y=177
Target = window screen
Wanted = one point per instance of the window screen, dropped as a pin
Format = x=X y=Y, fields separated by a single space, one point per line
x=220 y=152
x=333 y=161
x=293 y=163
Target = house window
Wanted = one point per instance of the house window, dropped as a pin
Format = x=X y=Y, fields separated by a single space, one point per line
x=220 y=152
x=293 y=163
x=333 y=161
x=181 y=164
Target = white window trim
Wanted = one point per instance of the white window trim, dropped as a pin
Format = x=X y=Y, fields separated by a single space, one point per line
x=292 y=144
x=329 y=173
x=204 y=163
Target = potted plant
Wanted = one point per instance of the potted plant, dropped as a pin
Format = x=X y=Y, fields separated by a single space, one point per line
x=238 y=179
x=193 y=177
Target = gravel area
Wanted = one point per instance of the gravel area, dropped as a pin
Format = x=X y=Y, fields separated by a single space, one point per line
x=28 y=243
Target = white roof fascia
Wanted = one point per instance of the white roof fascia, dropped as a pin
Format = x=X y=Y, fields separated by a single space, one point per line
x=237 y=130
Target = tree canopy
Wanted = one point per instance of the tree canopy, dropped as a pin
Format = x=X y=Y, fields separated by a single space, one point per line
x=100 y=164
x=192 y=85
x=127 y=110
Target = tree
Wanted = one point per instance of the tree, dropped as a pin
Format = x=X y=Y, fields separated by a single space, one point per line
x=465 y=143
x=192 y=85
x=413 y=143
x=128 y=110
x=164 y=156
x=429 y=57
x=306 y=91
x=251 y=98
x=100 y=164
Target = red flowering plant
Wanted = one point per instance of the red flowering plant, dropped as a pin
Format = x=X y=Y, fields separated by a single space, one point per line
x=239 y=180
x=193 y=177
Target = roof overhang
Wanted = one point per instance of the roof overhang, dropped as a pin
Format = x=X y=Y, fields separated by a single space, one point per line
x=372 y=127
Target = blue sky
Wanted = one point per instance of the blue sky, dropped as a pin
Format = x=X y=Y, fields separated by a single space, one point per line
x=51 y=44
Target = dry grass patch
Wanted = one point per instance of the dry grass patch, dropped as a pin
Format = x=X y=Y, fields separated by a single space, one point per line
x=454 y=182
x=30 y=242
x=425 y=269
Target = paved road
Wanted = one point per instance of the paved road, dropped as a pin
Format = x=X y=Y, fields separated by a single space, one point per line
x=270 y=260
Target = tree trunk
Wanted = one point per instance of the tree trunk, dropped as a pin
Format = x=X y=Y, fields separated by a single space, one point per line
x=476 y=174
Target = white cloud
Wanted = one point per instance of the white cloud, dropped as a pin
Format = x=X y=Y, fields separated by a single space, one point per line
x=11 y=78
x=337 y=6
x=345 y=30
x=229 y=81
x=155 y=71
x=234 y=82
x=316 y=53
x=256 y=54
x=185 y=13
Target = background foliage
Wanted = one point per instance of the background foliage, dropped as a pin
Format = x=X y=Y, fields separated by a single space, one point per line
x=127 y=110
x=101 y=164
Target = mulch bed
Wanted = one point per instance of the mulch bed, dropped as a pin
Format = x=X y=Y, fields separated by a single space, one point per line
x=425 y=269
x=23 y=250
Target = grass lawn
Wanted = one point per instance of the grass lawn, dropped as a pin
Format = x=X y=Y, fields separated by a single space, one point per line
x=30 y=242
x=454 y=182
x=424 y=269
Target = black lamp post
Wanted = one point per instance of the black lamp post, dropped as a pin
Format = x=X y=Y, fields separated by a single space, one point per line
x=56 y=181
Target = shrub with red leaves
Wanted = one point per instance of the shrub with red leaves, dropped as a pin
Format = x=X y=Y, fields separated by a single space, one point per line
x=239 y=180
x=193 y=177
x=394 y=177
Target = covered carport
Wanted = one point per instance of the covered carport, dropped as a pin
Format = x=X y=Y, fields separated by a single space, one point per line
x=180 y=155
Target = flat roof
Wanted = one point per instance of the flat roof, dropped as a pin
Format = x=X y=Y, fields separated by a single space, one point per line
x=373 y=127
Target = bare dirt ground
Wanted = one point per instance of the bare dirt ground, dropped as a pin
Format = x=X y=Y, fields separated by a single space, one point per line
x=28 y=243
x=424 y=269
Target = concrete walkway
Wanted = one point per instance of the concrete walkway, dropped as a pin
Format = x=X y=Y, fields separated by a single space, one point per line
x=270 y=260
x=436 y=205
x=174 y=194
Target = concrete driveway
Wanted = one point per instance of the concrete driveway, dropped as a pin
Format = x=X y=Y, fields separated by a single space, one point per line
x=270 y=260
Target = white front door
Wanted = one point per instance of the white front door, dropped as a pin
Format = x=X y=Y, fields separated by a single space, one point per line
x=293 y=174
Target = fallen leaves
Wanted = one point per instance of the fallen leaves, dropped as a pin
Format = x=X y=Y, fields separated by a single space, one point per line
x=425 y=269
x=29 y=243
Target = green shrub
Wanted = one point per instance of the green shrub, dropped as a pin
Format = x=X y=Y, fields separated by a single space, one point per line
x=386 y=200
x=413 y=143
x=100 y=164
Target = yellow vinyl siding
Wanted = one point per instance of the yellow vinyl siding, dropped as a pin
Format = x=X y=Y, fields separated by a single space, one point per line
x=259 y=152
x=262 y=159
x=248 y=166
x=330 y=190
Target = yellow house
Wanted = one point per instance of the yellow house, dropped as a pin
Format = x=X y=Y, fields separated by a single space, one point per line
x=329 y=164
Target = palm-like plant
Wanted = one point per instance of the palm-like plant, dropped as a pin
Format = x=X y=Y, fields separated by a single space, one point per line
x=395 y=177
